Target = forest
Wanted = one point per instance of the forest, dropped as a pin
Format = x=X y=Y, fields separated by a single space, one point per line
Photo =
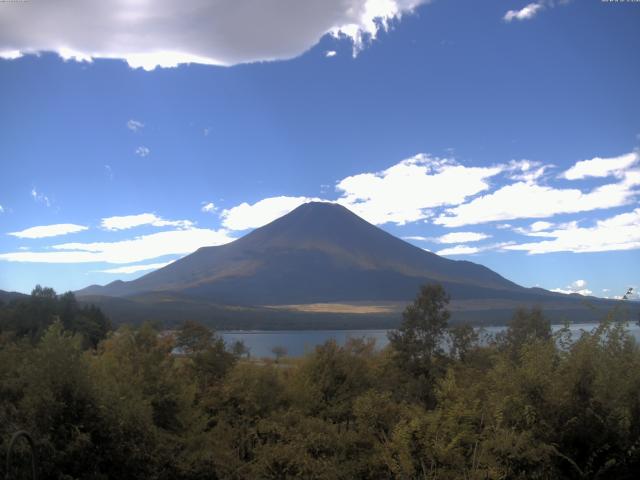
x=438 y=402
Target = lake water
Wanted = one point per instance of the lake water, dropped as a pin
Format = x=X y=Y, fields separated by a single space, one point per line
x=299 y=342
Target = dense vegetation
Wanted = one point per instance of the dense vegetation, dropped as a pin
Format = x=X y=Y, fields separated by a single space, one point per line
x=436 y=403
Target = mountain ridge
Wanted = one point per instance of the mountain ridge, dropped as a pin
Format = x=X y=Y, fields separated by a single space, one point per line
x=315 y=239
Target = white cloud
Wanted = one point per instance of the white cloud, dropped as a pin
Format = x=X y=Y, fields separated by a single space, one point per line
x=39 y=197
x=461 y=237
x=531 y=200
x=458 y=250
x=525 y=13
x=404 y=192
x=135 y=268
x=138 y=249
x=526 y=170
x=418 y=238
x=109 y=172
x=10 y=54
x=540 y=229
x=412 y=189
x=209 y=207
x=470 y=250
x=454 y=237
x=330 y=53
x=142 y=151
x=579 y=286
x=167 y=33
x=131 y=221
x=135 y=125
x=540 y=226
x=621 y=232
x=49 y=230
x=1 y=209
x=602 y=167
x=245 y=216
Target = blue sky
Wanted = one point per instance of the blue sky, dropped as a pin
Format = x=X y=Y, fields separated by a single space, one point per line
x=506 y=134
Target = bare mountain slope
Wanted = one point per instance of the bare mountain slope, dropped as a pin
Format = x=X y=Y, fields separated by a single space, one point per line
x=320 y=252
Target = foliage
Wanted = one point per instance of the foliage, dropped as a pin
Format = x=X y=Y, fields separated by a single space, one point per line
x=31 y=317
x=434 y=404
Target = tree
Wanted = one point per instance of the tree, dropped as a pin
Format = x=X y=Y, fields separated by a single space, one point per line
x=417 y=344
x=239 y=349
x=462 y=338
x=194 y=337
x=279 y=352
x=209 y=358
x=524 y=328
x=30 y=317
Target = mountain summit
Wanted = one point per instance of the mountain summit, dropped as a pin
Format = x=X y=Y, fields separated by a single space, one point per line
x=319 y=252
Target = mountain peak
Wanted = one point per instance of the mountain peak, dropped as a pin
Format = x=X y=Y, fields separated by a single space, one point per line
x=319 y=205
x=319 y=252
x=320 y=209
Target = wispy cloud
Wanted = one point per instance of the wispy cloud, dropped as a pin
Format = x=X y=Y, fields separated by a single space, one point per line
x=39 y=197
x=453 y=237
x=417 y=238
x=125 y=222
x=458 y=250
x=462 y=237
x=470 y=250
x=445 y=192
x=142 y=151
x=620 y=232
x=525 y=13
x=49 y=230
x=529 y=199
x=226 y=32
x=135 y=250
x=135 y=125
x=330 y=53
x=208 y=207
x=532 y=10
x=526 y=170
x=1 y=209
x=602 y=167
x=135 y=268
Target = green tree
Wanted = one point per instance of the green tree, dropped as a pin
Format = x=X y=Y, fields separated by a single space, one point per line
x=462 y=338
x=525 y=327
x=418 y=343
x=193 y=337
x=207 y=354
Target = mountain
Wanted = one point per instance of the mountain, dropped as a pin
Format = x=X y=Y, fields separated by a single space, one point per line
x=320 y=253
x=7 y=297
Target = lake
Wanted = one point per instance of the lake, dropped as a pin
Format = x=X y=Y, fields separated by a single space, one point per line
x=299 y=342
